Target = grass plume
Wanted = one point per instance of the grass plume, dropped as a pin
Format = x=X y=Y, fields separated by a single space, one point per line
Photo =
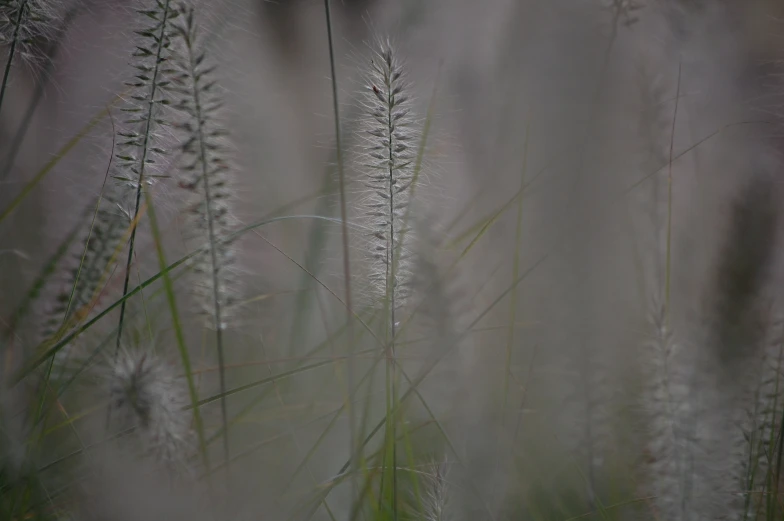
x=148 y=396
x=207 y=175
x=22 y=22
x=139 y=141
x=388 y=152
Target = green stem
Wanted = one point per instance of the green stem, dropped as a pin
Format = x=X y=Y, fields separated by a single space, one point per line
x=344 y=233
x=186 y=364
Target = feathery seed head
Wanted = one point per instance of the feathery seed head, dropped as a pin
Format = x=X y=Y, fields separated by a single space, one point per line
x=387 y=159
x=80 y=267
x=207 y=171
x=91 y=258
x=666 y=406
x=140 y=148
x=23 y=22
x=436 y=499
x=149 y=397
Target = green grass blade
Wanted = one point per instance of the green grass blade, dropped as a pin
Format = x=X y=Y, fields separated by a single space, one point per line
x=418 y=380
x=515 y=274
x=60 y=344
x=47 y=168
x=182 y=348
x=40 y=282
x=263 y=381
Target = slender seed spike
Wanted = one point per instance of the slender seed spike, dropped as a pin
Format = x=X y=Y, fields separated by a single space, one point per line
x=135 y=170
x=203 y=146
x=387 y=175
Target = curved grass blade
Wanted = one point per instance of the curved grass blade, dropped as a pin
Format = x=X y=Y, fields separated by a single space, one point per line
x=47 y=168
x=343 y=210
x=181 y=347
x=423 y=374
x=40 y=282
x=59 y=345
x=515 y=274
x=257 y=383
x=246 y=410
x=331 y=424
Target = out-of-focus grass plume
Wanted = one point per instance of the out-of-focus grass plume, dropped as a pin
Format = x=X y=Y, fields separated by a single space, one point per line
x=555 y=293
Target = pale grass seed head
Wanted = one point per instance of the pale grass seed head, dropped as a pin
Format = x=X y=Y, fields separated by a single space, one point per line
x=88 y=263
x=207 y=171
x=142 y=134
x=388 y=141
x=436 y=497
x=666 y=409
x=148 y=396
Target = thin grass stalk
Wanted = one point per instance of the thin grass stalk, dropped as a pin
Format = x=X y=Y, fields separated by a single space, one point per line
x=515 y=274
x=414 y=383
x=388 y=161
x=667 y=269
x=48 y=371
x=413 y=475
x=182 y=348
x=51 y=351
x=49 y=166
x=90 y=232
x=397 y=249
x=50 y=267
x=391 y=283
x=290 y=428
x=79 y=315
x=246 y=410
x=97 y=259
x=344 y=232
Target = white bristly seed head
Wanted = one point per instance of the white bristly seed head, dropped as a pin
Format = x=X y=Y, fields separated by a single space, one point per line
x=436 y=498
x=666 y=407
x=388 y=152
x=140 y=144
x=148 y=396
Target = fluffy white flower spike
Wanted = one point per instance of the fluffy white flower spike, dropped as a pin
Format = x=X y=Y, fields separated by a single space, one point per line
x=148 y=396
x=387 y=158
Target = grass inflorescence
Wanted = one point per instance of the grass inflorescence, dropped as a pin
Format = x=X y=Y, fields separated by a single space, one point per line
x=578 y=319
